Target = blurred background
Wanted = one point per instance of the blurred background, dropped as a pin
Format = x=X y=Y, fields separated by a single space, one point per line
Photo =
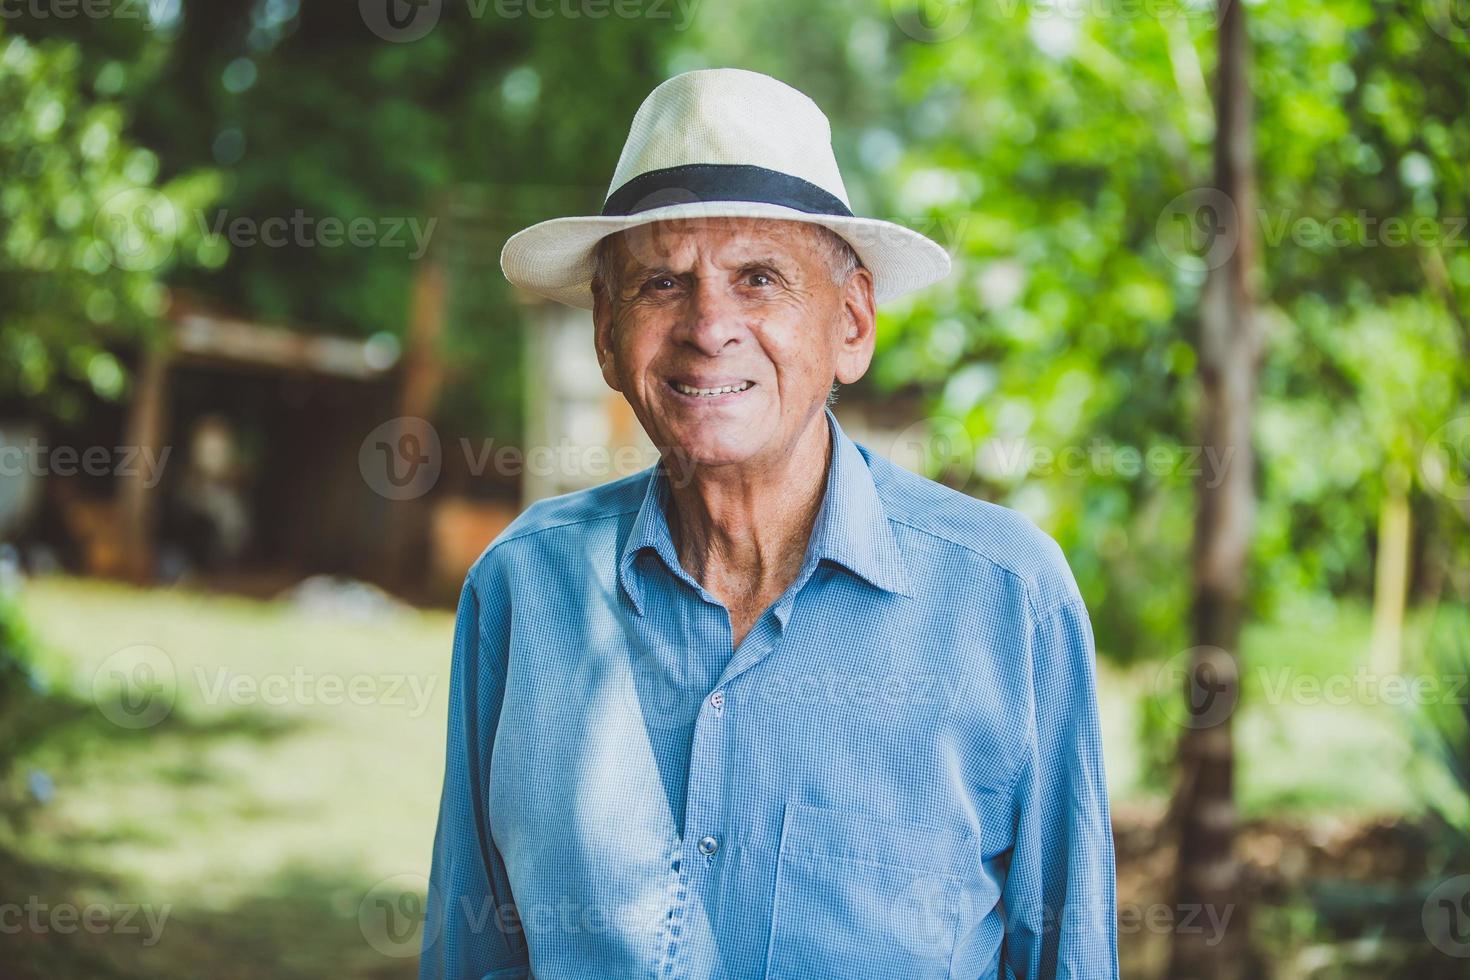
x=264 y=396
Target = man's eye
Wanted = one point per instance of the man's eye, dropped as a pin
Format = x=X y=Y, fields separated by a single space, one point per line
x=661 y=283
x=760 y=279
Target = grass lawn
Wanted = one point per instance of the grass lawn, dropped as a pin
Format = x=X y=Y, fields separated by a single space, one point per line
x=273 y=796
x=1316 y=733
x=269 y=803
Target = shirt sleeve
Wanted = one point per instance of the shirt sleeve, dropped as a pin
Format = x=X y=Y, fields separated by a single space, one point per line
x=1059 y=897
x=471 y=930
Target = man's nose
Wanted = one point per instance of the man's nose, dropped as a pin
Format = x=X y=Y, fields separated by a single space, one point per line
x=712 y=320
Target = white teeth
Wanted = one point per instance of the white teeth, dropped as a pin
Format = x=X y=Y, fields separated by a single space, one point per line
x=708 y=392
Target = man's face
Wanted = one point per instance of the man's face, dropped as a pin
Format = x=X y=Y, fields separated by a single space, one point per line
x=747 y=306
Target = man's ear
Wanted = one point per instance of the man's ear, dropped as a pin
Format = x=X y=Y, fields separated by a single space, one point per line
x=602 y=327
x=859 y=318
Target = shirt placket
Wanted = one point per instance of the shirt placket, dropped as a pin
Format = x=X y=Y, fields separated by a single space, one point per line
x=708 y=840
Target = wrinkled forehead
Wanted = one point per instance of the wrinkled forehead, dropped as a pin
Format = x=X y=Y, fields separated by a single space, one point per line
x=716 y=238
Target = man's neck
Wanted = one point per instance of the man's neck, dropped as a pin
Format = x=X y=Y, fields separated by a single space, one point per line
x=742 y=534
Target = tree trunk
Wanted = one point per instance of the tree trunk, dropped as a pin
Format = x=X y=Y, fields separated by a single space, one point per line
x=1207 y=875
x=147 y=430
x=407 y=525
x=1391 y=574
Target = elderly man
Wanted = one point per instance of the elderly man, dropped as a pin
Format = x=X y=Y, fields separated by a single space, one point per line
x=773 y=707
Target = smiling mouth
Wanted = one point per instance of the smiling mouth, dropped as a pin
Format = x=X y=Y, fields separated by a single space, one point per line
x=694 y=392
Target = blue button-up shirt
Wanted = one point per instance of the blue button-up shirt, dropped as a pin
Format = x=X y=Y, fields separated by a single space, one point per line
x=897 y=774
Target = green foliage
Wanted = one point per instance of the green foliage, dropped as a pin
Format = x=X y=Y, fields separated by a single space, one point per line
x=1328 y=459
x=1443 y=728
x=30 y=711
x=1059 y=144
x=482 y=126
x=1053 y=144
x=85 y=229
x=17 y=682
x=307 y=116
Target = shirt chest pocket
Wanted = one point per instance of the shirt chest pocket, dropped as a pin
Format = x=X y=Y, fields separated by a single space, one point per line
x=863 y=895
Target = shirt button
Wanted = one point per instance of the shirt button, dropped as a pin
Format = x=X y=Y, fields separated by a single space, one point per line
x=708 y=845
x=717 y=701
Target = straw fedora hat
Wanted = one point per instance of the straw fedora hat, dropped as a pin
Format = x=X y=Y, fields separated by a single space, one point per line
x=717 y=143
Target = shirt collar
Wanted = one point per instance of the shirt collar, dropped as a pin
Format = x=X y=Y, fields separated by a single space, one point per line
x=851 y=528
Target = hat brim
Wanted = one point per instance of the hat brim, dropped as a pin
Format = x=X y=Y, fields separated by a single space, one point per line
x=553 y=259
